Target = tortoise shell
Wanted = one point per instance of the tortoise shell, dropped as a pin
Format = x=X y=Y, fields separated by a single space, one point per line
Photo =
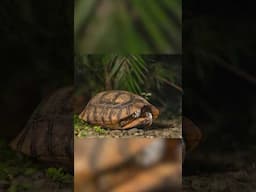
x=48 y=134
x=119 y=109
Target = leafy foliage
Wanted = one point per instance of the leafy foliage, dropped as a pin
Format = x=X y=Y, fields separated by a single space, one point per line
x=127 y=26
x=16 y=187
x=58 y=175
x=9 y=161
x=132 y=73
x=14 y=166
x=159 y=75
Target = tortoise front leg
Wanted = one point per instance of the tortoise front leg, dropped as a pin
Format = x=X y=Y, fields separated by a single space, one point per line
x=141 y=121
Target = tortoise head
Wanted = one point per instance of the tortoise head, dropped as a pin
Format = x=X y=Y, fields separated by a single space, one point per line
x=142 y=117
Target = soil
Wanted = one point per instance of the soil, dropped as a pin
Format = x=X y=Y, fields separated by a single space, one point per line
x=173 y=130
x=220 y=171
x=19 y=173
x=37 y=182
x=203 y=171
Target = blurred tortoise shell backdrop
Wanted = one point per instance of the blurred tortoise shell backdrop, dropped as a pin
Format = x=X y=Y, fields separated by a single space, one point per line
x=48 y=136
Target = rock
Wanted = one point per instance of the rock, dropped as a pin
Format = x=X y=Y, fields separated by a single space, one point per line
x=133 y=130
x=116 y=132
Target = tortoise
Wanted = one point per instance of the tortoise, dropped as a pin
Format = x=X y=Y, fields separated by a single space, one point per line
x=48 y=134
x=118 y=109
x=102 y=164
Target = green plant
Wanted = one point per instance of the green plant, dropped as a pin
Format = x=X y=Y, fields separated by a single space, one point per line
x=16 y=187
x=134 y=73
x=99 y=130
x=132 y=26
x=159 y=75
x=58 y=175
x=13 y=164
x=81 y=128
x=146 y=95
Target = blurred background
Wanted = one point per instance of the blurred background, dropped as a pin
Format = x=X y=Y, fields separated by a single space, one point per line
x=146 y=165
x=37 y=57
x=219 y=81
x=218 y=70
x=107 y=26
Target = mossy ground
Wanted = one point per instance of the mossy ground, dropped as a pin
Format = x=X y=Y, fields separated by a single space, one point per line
x=20 y=173
x=84 y=130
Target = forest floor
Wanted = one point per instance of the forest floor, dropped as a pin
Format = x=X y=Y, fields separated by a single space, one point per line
x=233 y=171
x=173 y=130
x=204 y=171
x=19 y=173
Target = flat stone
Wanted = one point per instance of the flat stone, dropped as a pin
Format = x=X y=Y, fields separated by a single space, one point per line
x=138 y=134
x=115 y=132
x=133 y=130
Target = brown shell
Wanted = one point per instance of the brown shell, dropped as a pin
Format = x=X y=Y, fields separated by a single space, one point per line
x=109 y=107
x=48 y=135
x=191 y=134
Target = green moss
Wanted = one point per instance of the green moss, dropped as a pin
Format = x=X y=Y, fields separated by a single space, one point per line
x=81 y=128
x=99 y=130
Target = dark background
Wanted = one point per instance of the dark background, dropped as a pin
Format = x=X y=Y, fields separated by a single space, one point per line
x=218 y=66
x=219 y=81
x=36 y=57
x=219 y=75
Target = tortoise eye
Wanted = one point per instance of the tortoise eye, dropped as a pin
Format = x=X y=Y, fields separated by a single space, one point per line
x=136 y=114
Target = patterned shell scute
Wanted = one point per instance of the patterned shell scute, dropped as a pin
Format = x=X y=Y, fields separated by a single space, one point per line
x=109 y=107
x=48 y=135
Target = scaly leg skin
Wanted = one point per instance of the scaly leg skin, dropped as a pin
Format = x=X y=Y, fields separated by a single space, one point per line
x=162 y=177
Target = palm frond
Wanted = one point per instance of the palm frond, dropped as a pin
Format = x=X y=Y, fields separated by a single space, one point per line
x=135 y=26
